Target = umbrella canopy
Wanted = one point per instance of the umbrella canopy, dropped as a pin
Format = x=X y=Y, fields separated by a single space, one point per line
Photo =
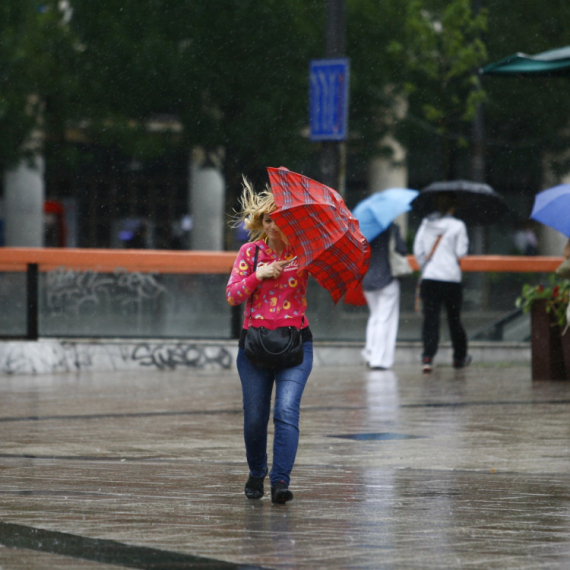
x=477 y=203
x=552 y=63
x=552 y=208
x=323 y=233
x=378 y=211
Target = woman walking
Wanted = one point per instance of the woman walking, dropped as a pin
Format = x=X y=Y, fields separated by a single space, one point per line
x=439 y=244
x=382 y=294
x=265 y=277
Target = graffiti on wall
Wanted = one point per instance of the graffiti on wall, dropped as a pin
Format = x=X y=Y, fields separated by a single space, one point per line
x=168 y=356
x=67 y=356
x=86 y=292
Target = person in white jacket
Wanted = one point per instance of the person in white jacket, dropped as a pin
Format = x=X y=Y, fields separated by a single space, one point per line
x=440 y=242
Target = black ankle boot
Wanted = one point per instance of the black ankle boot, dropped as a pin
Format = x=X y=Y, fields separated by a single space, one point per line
x=280 y=493
x=254 y=486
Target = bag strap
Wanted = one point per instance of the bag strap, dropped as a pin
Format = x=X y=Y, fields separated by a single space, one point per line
x=251 y=298
x=254 y=269
x=428 y=258
x=392 y=238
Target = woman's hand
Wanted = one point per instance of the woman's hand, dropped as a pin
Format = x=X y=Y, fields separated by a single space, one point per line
x=271 y=271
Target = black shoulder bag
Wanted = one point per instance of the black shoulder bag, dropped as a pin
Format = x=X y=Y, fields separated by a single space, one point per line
x=273 y=348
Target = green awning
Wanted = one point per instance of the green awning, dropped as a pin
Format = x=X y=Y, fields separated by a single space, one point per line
x=553 y=63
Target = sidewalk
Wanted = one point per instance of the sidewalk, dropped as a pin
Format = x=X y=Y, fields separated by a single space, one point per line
x=395 y=470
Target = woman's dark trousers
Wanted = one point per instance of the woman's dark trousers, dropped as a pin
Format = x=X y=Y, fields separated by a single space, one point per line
x=434 y=294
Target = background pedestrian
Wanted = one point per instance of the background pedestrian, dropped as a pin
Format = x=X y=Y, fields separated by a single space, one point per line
x=382 y=293
x=440 y=242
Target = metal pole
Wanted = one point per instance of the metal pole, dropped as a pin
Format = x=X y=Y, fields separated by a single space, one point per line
x=236 y=323
x=479 y=234
x=478 y=153
x=478 y=127
x=32 y=301
x=333 y=153
x=336 y=29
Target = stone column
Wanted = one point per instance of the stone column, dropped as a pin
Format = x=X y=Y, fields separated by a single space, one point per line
x=391 y=172
x=207 y=202
x=24 y=195
x=384 y=173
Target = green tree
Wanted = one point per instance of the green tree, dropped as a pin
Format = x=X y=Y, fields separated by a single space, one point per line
x=441 y=52
x=526 y=117
x=34 y=48
x=377 y=76
x=234 y=72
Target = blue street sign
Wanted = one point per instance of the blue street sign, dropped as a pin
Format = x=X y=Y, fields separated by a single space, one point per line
x=328 y=106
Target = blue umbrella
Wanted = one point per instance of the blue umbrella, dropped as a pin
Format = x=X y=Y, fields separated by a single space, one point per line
x=552 y=208
x=377 y=212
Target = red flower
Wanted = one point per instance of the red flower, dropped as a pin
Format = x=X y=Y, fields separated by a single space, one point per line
x=555 y=291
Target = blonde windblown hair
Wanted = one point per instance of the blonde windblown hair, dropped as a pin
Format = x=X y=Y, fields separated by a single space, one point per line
x=253 y=207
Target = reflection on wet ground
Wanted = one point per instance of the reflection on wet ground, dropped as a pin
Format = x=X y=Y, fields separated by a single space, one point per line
x=458 y=469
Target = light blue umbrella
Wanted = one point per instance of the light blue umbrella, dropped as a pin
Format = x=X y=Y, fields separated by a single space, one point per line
x=552 y=208
x=377 y=212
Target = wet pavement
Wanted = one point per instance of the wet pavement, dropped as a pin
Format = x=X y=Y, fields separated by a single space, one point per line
x=458 y=469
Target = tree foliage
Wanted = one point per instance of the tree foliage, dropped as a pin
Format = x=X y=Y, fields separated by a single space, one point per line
x=441 y=50
x=34 y=47
x=526 y=117
x=233 y=72
x=234 y=75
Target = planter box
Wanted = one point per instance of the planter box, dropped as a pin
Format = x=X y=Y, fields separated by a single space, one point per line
x=547 y=353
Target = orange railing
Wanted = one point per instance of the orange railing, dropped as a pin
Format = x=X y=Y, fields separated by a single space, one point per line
x=160 y=261
x=36 y=260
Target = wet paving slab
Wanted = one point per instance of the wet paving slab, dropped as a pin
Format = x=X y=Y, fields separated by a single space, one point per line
x=457 y=469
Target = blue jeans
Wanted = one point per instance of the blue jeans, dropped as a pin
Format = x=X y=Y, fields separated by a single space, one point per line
x=257 y=386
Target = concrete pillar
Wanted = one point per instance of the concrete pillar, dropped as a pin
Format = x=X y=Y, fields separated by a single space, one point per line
x=384 y=173
x=550 y=242
x=391 y=172
x=207 y=204
x=24 y=195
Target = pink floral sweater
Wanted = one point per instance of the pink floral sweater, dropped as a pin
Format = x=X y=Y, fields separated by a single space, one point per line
x=275 y=302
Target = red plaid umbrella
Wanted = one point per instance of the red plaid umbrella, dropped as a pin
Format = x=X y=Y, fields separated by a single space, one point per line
x=323 y=233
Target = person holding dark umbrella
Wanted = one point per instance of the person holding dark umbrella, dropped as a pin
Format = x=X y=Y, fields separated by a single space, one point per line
x=439 y=244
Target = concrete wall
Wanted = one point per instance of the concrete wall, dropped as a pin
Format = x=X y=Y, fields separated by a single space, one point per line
x=55 y=355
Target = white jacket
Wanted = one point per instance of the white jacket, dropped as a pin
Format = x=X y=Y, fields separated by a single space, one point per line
x=454 y=243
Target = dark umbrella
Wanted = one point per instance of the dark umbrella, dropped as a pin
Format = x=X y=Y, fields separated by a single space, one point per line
x=477 y=203
x=323 y=233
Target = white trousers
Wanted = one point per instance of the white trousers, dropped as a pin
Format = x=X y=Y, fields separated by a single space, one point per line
x=382 y=326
